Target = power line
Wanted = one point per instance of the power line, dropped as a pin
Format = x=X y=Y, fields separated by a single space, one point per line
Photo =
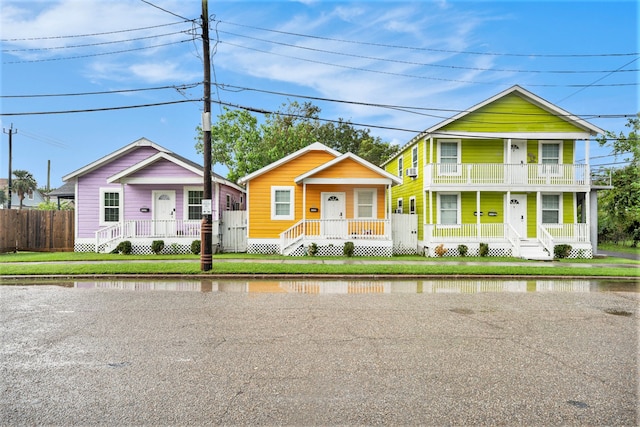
x=167 y=11
x=92 y=110
x=435 y=50
x=93 y=44
x=90 y=34
x=97 y=54
x=416 y=76
x=109 y=92
x=422 y=64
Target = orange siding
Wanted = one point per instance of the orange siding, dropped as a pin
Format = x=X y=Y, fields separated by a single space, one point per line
x=260 y=223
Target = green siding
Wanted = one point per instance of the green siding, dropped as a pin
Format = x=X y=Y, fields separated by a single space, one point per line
x=483 y=151
x=511 y=113
x=489 y=201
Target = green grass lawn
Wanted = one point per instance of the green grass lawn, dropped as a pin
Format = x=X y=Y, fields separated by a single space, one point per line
x=86 y=263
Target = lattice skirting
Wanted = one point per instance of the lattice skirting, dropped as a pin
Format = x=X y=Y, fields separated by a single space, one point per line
x=323 y=249
x=138 y=247
x=263 y=248
x=473 y=251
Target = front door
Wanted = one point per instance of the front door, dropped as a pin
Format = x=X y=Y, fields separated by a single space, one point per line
x=518 y=214
x=333 y=215
x=164 y=212
x=519 y=161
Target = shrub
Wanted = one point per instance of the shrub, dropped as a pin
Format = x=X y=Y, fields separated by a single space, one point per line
x=312 y=250
x=195 y=247
x=123 y=247
x=157 y=246
x=440 y=250
x=561 y=251
x=349 y=249
x=484 y=249
x=462 y=250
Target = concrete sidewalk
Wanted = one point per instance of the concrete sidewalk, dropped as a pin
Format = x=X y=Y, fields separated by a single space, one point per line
x=112 y=357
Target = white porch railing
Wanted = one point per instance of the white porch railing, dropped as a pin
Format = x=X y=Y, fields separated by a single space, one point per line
x=369 y=229
x=500 y=174
x=147 y=228
x=548 y=234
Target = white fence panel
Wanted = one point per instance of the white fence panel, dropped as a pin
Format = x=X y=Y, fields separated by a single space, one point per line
x=404 y=229
x=233 y=228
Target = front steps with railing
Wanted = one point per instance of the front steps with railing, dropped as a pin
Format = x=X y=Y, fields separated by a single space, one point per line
x=534 y=250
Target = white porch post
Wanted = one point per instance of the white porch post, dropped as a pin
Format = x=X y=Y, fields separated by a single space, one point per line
x=478 y=225
x=507 y=208
x=304 y=201
x=538 y=212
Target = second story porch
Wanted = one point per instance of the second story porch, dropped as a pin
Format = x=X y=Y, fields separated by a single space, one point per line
x=575 y=177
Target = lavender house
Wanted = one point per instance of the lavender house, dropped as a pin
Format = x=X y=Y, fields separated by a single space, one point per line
x=144 y=192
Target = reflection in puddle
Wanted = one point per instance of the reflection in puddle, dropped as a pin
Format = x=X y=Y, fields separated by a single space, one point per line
x=457 y=286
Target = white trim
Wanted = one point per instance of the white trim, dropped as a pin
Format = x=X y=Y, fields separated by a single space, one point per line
x=512 y=135
x=316 y=146
x=558 y=142
x=414 y=159
x=560 y=207
x=401 y=167
x=458 y=208
x=352 y=181
x=122 y=175
x=292 y=202
x=399 y=205
x=374 y=207
x=415 y=206
x=384 y=174
x=458 y=168
x=102 y=191
x=185 y=201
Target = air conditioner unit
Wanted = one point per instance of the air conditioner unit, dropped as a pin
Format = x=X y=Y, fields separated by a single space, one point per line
x=399 y=210
x=412 y=172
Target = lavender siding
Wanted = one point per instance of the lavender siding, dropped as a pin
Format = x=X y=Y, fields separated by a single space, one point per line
x=137 y=196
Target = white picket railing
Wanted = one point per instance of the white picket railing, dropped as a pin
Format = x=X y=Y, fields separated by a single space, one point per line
x=465 y=232
x=361 y=229
x=500 y=174
x=147 y=228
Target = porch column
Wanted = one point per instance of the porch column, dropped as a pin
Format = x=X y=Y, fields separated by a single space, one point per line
x=389 y=200
x=538 y=212
x=592 y=207
x=508 y=151
x=304 y=201
x=507 y=208
x=478 y=225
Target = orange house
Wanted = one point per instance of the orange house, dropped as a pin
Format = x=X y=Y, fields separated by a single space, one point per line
x=319 y=198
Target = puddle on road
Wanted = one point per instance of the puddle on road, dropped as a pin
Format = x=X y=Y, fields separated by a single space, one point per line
x=456 y=286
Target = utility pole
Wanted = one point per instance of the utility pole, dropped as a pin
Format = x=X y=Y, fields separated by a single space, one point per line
x=207 y=206
x=10 y=133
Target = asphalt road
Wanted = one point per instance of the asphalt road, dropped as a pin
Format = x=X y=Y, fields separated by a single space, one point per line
x=112 y=357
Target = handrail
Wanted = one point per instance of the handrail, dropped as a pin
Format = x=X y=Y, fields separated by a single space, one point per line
x=514 y=238
x=545 y=239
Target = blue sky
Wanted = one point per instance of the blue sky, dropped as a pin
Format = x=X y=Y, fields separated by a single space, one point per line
x=432 y=58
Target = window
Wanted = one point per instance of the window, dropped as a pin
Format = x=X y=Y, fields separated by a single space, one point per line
x=550 y=157
x=194 y=203
x=449 y=157
x=412 y=205
x=414 y=157
x=365 y=203
x=282 y=202
x=551 y=209
x=110 y=209
x=448 y=208
x=399 y=206
x=228 y=201
x=400 y=166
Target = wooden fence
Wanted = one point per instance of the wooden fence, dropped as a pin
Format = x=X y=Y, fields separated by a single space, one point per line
x=35 y=230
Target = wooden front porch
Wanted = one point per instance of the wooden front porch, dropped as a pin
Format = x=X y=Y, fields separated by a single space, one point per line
x=335 y=232
x=506 y=241
x=174 y=232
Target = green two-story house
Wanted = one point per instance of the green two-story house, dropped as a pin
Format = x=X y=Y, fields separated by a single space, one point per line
x=501 y=175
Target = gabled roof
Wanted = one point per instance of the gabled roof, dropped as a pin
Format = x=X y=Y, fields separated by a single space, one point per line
x=384 y=174
x=162 y=153
x=529 y=96
x=316 y=146
x=142 y=142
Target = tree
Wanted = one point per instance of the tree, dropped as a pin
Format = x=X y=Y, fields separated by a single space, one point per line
x=620 y=215
x=23 y=184
x=3 y=197
x=244 y=146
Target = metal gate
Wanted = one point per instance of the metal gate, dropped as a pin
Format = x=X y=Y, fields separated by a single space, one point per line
x=404 y=229
x=233 y=227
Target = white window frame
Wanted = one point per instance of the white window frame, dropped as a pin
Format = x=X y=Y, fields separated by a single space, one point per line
x=560 y=212
x=185 y=203
x=103 y=191
x=412 y=205
x=292 y=202
x=400 y=166
x=414 y=156
x=374 y=204
x=458 y=210
x=551 y=169
x=399 y=205
x=457 y=171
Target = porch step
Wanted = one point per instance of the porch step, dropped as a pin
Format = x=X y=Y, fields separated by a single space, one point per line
x=534 y=251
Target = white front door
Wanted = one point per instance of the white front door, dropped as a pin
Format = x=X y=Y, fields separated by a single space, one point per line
x=518 y=213
x=333 y=215
x=519 y=160
x=164 y=212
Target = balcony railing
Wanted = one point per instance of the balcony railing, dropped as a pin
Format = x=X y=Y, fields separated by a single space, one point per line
x=496 y=174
